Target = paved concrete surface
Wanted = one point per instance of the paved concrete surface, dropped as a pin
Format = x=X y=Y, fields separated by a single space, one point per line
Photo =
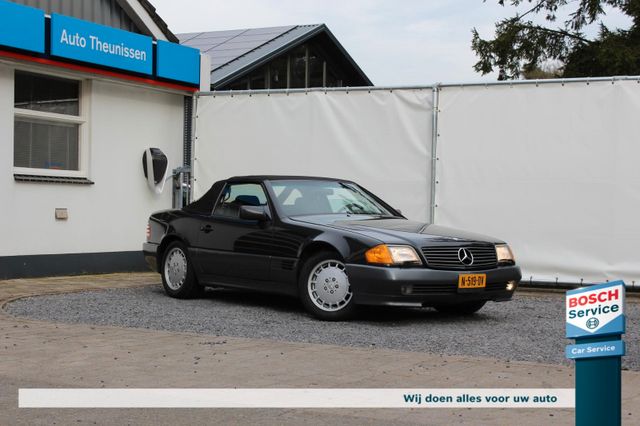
x=41 y=354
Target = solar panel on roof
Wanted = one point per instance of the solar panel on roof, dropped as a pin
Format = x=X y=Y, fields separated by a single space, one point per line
x=226 y=46
x=209 y=36
x=271 y=30
x=185 y=36
x=224 y=33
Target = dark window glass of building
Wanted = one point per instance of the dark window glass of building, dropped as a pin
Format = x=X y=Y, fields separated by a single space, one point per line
x=46 y=122
x=48 y=94
x=334 y=79
x=316 y=70
x=239 y=85
x=257 y=79
x=299 y=67
x=278 y=73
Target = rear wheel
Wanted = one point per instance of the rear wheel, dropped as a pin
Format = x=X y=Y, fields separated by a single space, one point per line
x=178 y=276
x=465 y=308
x=324 y=287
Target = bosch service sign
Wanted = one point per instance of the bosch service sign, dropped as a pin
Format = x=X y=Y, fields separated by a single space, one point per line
x=596 y=310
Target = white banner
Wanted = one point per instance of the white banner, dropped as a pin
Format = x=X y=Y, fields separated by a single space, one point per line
x=552 y=169
x=296 y=398
x=380 y=139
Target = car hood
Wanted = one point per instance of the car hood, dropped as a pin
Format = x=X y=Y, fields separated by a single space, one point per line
x=396 y=230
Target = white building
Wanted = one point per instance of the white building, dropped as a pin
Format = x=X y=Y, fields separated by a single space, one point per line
x=80 y=101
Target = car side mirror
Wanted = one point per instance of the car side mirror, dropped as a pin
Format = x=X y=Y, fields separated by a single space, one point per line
x=253 y=213
x=399 y=211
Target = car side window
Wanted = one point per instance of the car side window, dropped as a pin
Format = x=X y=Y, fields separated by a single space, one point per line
x=236 y=195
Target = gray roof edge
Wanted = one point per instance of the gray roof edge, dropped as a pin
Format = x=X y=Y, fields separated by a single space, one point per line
x=313 y=31
x=153 y=14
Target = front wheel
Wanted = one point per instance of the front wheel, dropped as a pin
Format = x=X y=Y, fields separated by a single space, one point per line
x=178 y=276
x=465 y=308
x=324 y=288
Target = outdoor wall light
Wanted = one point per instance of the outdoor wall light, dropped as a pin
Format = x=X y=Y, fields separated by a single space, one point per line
x=155 y=166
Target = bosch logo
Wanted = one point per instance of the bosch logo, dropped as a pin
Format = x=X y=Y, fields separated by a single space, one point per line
x=592 y=323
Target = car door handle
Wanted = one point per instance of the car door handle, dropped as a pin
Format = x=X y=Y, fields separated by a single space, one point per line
x=206 y=228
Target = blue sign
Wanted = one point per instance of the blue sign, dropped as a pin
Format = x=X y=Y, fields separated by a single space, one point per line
x=73 y=38
x=177 y=62
x=595 y=349
x=21 y=27
x=596 y=310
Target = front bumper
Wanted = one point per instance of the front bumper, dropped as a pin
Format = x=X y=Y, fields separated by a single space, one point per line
x=150 y=251
x=375 y=285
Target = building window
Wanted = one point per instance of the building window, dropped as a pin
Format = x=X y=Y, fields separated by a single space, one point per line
x=298 y=67
x=333 y=78
x=278 y=73
x=316 y=70
x=42 y=144
x=240 y=85
x=257 y=79
x=48 y=124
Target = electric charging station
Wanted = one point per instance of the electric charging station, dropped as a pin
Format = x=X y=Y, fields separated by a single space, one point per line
x=595 y=319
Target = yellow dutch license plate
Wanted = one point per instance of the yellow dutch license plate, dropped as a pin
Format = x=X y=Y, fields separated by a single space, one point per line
x=472 y=280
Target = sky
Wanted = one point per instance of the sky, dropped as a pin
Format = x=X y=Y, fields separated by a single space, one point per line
x=396 y=43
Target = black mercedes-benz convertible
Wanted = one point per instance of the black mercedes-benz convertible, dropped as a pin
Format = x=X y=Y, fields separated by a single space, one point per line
x=329 y=242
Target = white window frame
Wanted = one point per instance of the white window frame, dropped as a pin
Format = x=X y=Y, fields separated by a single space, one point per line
x=82 y=120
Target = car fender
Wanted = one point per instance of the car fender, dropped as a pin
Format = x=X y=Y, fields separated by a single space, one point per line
x=350 y=247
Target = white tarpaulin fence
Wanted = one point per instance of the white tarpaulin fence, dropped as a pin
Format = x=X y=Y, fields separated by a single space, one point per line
x=551 y=168
x=359 y=135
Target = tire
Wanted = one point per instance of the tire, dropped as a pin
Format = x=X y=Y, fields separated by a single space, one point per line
x=465 y=308
x=331 y=299
x=178 y=276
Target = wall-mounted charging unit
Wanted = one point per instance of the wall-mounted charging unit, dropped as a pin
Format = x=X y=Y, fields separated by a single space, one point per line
x=155 y=166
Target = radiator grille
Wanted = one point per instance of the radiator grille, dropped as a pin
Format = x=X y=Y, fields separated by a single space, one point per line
x=446 y=257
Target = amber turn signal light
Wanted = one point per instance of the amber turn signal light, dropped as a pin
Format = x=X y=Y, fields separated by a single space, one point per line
x=379 y=254
x=392 y=255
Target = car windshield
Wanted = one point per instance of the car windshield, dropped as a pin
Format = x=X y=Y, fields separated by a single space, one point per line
x=311 y=197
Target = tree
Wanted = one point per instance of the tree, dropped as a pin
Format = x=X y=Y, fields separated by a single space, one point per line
x=521 y=46
x=543 y=72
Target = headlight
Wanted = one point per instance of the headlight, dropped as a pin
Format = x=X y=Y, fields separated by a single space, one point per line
x=392 y=255
x=504 y=254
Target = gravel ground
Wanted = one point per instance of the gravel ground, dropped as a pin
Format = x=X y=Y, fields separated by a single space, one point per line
x=529 y=328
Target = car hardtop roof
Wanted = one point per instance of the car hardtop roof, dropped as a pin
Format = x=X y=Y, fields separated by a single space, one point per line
x=260 y=178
